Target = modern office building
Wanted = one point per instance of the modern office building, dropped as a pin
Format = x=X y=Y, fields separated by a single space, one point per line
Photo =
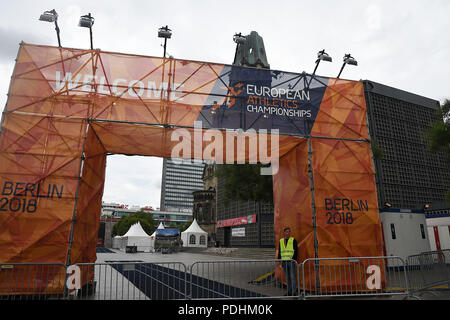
x=179 y=179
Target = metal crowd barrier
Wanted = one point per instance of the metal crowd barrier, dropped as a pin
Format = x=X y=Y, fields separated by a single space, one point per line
x=429 y=271
x=228 y=279
x=353 y=277
x=32 y=281
x=132 y=281
x=239 y=279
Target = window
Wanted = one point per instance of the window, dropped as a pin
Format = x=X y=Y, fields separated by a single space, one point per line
x=192 y=239
x=202 y=240
x=393 y=231
x=422 y=230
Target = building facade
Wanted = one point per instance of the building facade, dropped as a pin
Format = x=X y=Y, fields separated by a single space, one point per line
x=407 y=174
x=179 y=179
x=243 y=223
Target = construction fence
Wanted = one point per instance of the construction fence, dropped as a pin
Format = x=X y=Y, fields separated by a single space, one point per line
x=321 y=278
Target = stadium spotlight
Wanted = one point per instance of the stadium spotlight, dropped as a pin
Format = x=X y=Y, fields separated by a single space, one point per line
x=166 y=33
x=322 y=56
x=51 y=16
x=348 y=59
x=87 y=21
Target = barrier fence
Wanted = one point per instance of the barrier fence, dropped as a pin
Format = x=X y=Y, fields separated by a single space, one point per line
x=429 y=271
x=229 y=279
x=362 y=276
x=132 y=281
x=20 y=281
x=237 y=279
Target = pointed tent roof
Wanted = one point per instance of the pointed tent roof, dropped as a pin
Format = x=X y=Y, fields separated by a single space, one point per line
x=136 y=231
x=194 y=227
x=161 y=226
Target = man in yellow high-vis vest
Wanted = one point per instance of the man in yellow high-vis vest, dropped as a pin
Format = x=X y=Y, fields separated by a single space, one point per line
x=287 y=252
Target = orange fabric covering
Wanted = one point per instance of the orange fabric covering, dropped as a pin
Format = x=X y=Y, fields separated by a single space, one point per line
x=68 y=108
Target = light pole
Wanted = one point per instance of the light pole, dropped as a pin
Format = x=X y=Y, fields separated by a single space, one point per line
x=166 y=33
x=348 y=59
x=87 y=21
x=51 y=16
x=322 y=56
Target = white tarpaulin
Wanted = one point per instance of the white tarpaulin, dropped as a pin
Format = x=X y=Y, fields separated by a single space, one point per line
x=194 y=236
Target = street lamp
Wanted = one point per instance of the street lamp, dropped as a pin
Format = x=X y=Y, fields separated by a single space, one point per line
x=51 y=16
x=322 y=56
x=348 y=59
x=166 y=33
x=87 y=21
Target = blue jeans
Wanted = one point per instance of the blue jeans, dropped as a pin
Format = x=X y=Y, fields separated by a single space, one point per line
x=289 y=272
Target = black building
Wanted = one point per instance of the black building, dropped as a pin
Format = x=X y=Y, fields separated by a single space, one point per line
x=407 y=175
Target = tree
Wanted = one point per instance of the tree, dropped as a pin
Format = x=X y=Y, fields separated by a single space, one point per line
x=124 y=224
x=183 y=227
x=245 y=182
x=378 y=152
x=438 y=135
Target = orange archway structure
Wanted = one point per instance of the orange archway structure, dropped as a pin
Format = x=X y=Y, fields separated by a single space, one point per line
x=68 y=108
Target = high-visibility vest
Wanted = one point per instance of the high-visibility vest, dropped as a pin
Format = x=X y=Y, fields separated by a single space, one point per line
x=287 y=252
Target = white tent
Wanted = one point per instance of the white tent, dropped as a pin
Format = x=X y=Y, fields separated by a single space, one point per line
x=118 y=242
x=136 y=236
x=152 y=237
x=194 y=236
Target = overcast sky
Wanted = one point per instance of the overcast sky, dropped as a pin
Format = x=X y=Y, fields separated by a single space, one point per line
x=403 y=44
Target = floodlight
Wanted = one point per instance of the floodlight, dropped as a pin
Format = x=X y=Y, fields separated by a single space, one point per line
x=87 y=21
x=322 y=56
x=348 y=59
x=51 y=16
x=165 y=33
x=351 y=61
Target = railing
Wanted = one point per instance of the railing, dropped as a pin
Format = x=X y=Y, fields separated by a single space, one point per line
x=237 y=279
x=228 y=279
x=429 y=271
x=20 y=281
x=132 y=281
x=351 y=277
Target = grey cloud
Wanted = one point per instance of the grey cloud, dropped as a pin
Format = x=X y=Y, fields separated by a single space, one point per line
x=10 y=40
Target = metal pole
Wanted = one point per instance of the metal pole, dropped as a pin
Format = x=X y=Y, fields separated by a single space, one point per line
x=165 y=43
x=317 y=64
x=342 y=68
x=90 y=32
x=313 y=206
x=57 y=33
